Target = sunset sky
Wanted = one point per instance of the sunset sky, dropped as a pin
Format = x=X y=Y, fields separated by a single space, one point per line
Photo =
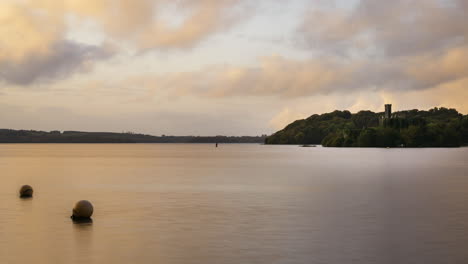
x=231 y=67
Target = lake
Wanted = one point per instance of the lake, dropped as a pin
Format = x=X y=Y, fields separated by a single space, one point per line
x=239 y=203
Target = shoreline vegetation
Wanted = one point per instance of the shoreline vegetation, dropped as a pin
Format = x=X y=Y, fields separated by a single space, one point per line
x=437 y=127
x=33 y=136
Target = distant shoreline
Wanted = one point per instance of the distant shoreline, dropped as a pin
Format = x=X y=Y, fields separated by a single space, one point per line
x=129 y=143
x=77 y=137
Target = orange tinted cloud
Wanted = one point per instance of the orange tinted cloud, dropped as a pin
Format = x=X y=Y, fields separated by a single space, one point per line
x=33 y=38
x=24 y=32
x=142 y=24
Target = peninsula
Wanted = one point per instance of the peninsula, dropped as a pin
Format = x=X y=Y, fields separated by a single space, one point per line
x=437 y=127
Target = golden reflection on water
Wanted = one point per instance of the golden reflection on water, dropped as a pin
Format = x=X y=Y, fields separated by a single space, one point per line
x=233 y=204
x=83 y=240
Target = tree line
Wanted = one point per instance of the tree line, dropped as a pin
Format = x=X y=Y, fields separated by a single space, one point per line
x=437 y=127
x=33 y=136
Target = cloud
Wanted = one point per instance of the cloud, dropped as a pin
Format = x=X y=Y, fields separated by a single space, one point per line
x=275 y=76
x=34 y=43
x=401 y=45
x=389 y=28
x=24 y=32
x=280 y=77
x=64 y=59
x=160 y=24
x=435 y=69
x=206 y=17
x=410 y=53
x=33 y=46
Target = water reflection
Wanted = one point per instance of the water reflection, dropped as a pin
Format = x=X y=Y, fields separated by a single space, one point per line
x=26 y=203
x=83 y=243
x=239 y=204
x=82 y=222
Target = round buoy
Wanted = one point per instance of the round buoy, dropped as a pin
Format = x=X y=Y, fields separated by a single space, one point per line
x=26 y=191
x=82 y=210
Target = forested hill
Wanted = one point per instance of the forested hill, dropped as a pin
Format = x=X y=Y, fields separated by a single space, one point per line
x=32 y=136
x=438 y=127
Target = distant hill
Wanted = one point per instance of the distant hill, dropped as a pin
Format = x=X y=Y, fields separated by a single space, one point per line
x=438 y=127
x=32 y=136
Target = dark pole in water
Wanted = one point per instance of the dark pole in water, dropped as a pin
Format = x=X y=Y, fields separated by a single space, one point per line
x=216 y=144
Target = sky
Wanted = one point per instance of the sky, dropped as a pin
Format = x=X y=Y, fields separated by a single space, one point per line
x=224 y=67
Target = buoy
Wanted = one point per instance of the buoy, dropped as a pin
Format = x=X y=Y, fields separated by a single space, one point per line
x=26 y=191
x=82 y=210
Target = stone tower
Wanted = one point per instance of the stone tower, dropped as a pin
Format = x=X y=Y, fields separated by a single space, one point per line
x=388 y=111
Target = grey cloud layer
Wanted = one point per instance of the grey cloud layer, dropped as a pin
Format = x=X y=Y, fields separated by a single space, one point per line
x=402 y=45
x=393 y=28
x=379 y=45
x=399 y=45
x=64 y=59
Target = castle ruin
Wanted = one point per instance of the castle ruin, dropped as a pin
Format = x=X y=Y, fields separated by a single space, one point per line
x=389 y=118
x=388 y=111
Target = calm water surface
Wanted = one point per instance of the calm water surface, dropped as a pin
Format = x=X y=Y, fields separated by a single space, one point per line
x=157 y=203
